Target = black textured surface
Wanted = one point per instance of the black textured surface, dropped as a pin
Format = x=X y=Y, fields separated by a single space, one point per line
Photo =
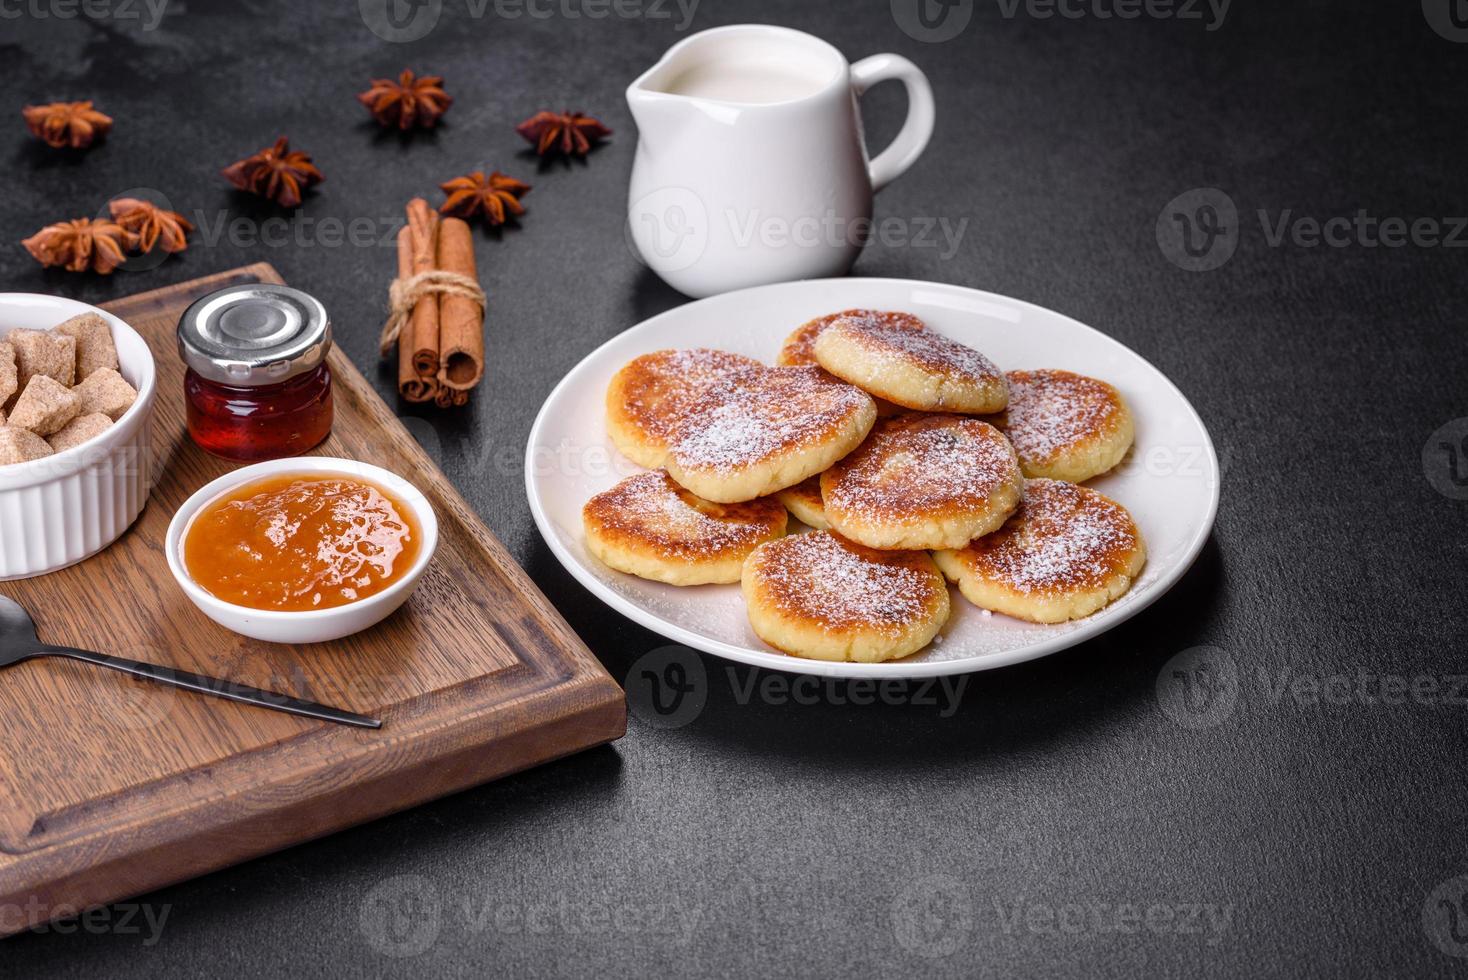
x=1012 y=835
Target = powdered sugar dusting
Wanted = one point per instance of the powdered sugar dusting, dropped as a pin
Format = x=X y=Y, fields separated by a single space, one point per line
x=1062 y=537
x=932 y=351
x=912 y=464
x=763 y=413
x=659 y=390
x=822 y=578
x=1052 y=411
x=799 y=349
x=652 y=510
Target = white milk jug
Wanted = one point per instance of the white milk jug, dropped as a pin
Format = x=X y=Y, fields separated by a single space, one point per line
x=751 y=165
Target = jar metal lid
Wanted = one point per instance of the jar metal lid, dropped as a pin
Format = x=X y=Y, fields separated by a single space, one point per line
x=253 y=335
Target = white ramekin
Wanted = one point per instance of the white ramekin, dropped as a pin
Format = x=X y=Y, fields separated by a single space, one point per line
x=315 y=625
x=57 y=510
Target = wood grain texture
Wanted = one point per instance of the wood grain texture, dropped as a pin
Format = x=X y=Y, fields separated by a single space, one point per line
x=112 y=786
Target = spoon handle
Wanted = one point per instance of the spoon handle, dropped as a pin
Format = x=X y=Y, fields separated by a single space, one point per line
x=228 y=690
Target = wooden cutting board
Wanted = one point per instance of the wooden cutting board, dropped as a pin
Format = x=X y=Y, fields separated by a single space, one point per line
x=110 y=787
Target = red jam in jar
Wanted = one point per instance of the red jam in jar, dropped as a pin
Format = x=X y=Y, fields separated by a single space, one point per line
x=254 y=424
x=257 y=385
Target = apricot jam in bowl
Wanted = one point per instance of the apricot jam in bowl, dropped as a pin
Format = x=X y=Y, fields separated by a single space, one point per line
x=302 y=550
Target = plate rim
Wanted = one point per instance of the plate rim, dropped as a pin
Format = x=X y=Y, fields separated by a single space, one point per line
x=890 y=670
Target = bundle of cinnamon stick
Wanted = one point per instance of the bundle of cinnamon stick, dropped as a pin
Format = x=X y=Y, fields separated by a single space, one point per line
x=437 y=316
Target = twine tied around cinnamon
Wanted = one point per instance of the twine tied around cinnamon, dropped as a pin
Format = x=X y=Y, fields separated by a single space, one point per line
x=404 y=294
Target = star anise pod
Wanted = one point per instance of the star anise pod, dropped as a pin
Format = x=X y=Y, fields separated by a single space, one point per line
x=80 y=244
x=150 y=225
x=275 y=172
x=407 y=102
x=568 y=133
x=73 y=124
x=475 y=195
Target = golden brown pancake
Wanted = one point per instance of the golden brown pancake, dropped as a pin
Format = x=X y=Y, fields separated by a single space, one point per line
x=1065 y=426
x=651 y=395
x=804 y=503
x=918 y=369
x=820 y=596
x=767 y=430
x=799 y=349
x=923 y=481
x=649 y=526
x=1066 y=553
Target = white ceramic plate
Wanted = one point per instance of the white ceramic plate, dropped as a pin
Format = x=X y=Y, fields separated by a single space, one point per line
x=1169 y=481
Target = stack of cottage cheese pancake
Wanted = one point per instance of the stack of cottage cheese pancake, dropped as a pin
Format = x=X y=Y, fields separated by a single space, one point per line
x=909 y=455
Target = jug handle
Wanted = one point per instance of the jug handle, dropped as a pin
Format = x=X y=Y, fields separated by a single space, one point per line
x=916 y=130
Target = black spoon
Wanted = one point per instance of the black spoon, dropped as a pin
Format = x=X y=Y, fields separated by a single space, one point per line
x=18 y=642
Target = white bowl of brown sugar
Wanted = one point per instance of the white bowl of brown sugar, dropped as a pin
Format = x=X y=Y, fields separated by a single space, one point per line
x=76 y=401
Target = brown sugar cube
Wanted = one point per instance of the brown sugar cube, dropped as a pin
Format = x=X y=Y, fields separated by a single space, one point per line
x=20 y=446
x=65 y=359
x=106 y=392
x=79 y=430
x=9 y=377
x=45 y=406
x=94 y=347
x=38 y=352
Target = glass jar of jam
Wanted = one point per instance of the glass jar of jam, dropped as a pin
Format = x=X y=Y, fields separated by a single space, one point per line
x=257 y=385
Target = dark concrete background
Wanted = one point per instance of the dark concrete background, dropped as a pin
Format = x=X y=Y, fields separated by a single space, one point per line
x=1065 y=819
